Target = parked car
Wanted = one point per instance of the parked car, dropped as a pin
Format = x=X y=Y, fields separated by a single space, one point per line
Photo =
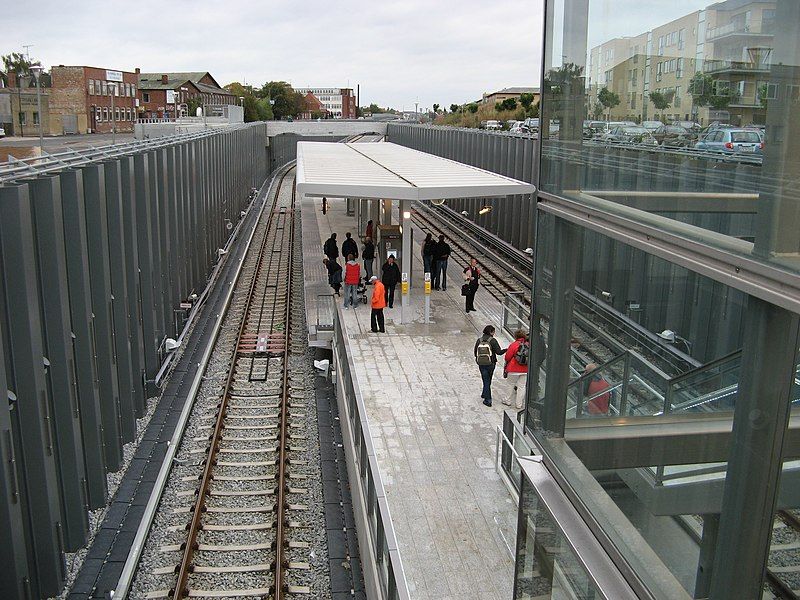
x=520 y=128
x=594 y=129
x=674 y=136
x=510 y=123
x=652 y=125
x=690 y=125
x=744 y=141
x=493 y=125
x=630 y=134
x=2 y=132
x=532 y=123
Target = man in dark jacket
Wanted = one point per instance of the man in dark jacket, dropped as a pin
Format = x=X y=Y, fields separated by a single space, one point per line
x=486 y=350
x=427 y=253
x=349 y=246
x=441 y=252
x=331 y=248
x=368 y=254
x=390 y=277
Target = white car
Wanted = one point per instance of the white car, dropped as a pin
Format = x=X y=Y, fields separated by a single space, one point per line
x=493 y=125
x=2 y=132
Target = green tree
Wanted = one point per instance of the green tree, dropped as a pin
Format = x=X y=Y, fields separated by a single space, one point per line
x=597 y=110
x=287 y=102
x=192 y=104
x=264 y=109
x=436 y=108
x=498 y=106
x=662 y=101
x=472 y=107
x=454 y=108
x=17 y=63
x=707 y=91
x=763 y=92
x=509 y=104
x=608 y=99
x=526 y=100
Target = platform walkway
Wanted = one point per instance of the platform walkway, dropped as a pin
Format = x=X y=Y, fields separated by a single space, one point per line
x=454 y=519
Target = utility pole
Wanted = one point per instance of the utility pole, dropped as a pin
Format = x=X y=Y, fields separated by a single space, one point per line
x=113 y=88
x=28 y=50
x=37 y=74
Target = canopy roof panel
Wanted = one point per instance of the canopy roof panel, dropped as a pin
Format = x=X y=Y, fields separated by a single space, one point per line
x=386 y=170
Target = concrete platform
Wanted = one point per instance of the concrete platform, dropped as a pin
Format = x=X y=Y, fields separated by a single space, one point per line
x=454 y=518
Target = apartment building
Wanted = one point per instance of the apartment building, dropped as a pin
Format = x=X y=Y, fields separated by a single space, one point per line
x=339 y=102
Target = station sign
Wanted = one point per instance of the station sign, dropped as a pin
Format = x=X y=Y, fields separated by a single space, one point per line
x=404 y=279
x=427 y=283
x=113 y=75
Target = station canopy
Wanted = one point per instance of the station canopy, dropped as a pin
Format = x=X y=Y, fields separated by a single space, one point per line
x=386 y=170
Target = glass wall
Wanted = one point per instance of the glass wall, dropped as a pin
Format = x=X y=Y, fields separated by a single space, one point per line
x=666 y=286
x=688 y=111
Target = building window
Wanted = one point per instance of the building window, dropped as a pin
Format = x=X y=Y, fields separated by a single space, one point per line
x=681 y=40
x=133 y=90
x=145 y=96
x=104 y=88
x=130 y=114
x=679 y=68
x=35 y=118
x=116 y=113
x=105 y=113
x=23 y=120
x=91 y=87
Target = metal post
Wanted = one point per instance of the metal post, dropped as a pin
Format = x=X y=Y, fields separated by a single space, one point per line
x=756 y=457
x=406 y=261
x=705 y=563
x=113 y=120
x=567 y=252
x=37 y=72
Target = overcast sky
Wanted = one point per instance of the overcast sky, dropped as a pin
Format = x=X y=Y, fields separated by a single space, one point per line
x=432 y=50
x=399 y=52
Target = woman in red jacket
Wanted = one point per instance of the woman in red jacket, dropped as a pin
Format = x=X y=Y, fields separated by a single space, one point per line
x=352 y=276
x=517 y=357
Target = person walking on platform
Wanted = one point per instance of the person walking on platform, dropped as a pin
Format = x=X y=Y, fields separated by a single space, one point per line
x=390 y=277
x=352 y=276
x=369 y=233
x=472 y=275
x=331 y=248
x=427 y=253
x=441 y=252
x=517 y=357
x=334 y=274
x=368 y=254
x=378 y=304
x=349 y=246
x=324 y=205
x=486 y=351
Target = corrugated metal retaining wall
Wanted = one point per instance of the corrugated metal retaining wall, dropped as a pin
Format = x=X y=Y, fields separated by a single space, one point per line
x=94 y=262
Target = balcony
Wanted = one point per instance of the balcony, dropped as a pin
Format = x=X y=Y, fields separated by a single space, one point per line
x=765 y=28
x=735 y=66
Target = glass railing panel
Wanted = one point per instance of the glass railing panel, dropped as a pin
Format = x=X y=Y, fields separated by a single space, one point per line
x=712 y=388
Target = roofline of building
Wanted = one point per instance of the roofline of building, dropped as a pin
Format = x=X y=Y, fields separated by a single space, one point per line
x=91 y=67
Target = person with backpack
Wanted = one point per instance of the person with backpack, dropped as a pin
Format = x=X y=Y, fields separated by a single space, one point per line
x=334 y=274
x=390 y=278
x=349 y=246
x=471 y=276
x=517 y=358
x=486 y=351
x=352 y=277
x=331 y=248
x=427 y=253
x=368 y=254
x=594 y=388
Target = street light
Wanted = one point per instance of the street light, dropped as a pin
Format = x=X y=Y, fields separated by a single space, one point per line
x=37 y=72
x=112 y=87
x=674 y=338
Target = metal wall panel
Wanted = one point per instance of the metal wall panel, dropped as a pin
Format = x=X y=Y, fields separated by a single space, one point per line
x=80 y=303
x=127 y=378
x=30 y=414
x=94 y=190
x=60 y=376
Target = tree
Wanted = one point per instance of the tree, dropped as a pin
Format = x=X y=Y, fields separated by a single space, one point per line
x=526 y=100
x=608 y=99
x=287 y=102
x=436 y=108
x=454 y=108
x=597 y=110
x=661 y=100
x=763 y=92
x=472 y=107
x=17 y=63
x=192 y=104
x=707 y=91
x=509 y=104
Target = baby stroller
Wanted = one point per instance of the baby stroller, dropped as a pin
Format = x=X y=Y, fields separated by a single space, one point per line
x=361 y=290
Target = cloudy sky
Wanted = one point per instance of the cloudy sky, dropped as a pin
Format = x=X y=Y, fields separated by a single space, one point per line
x=433 y=51
x=439 y=51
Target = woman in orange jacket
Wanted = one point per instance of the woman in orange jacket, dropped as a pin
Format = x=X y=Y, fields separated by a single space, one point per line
x=378 y=304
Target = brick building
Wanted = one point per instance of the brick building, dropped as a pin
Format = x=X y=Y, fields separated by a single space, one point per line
x=159 y=91
x=159 y=97
x=339 y=102
x=19 y=107
x=312 y=107
x=81 y=99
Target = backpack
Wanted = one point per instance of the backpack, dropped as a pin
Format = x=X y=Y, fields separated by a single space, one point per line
x=484 y=352
x=521 y=355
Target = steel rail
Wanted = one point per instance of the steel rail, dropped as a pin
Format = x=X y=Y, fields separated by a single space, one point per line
x=281 y=563
x=131 y=563
x=189 y=547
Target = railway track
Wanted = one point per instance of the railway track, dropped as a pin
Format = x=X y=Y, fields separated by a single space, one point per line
x=236 y=518
x=783 y=565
